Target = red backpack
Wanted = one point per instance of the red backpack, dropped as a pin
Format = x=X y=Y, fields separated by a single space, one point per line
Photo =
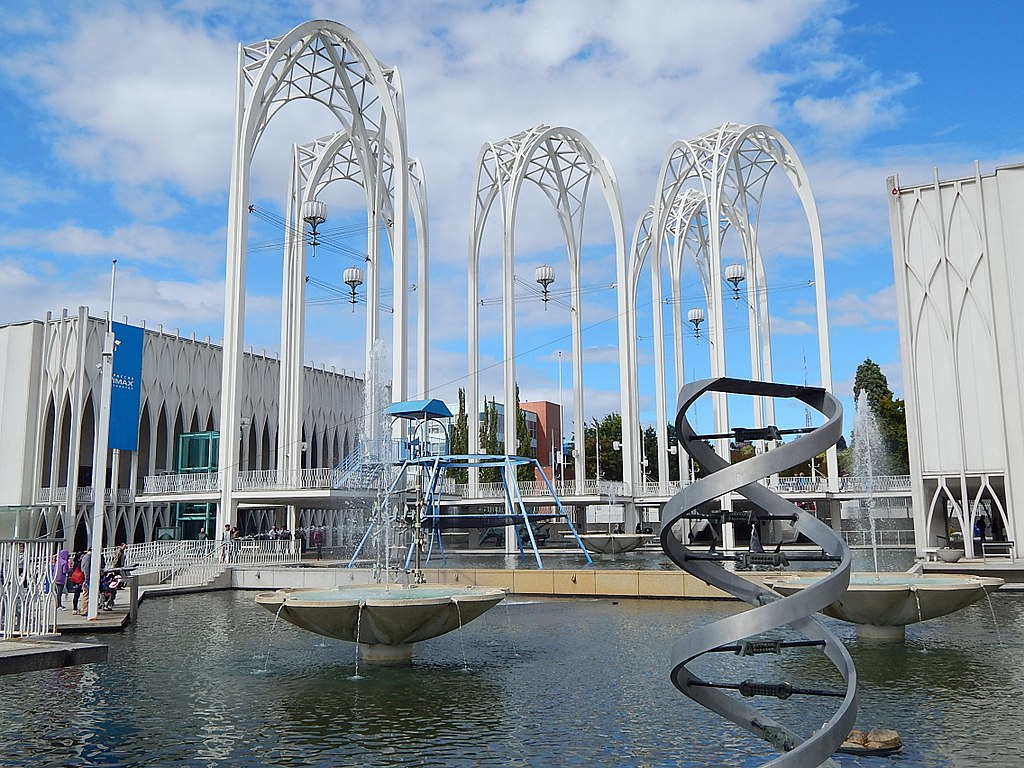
x=77 y=577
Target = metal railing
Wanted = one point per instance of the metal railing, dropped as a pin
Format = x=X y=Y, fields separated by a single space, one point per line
x=881 y=484
x=60 y=495
x=882 y=538
x=345 y=476
x=302 y=479
x=533 y=488
x=195 y=563
x=190 y=482
x=27 y=607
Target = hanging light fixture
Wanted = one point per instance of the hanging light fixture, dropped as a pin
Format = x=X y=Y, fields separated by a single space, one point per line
x=696 y=317
x=314 y=213
x=353 y=277
x=544 y=275
x=736 y=274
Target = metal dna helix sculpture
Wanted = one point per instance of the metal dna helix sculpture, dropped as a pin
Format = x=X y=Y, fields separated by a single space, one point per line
x=763 y=628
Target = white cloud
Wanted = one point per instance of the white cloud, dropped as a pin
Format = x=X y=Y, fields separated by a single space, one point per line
x=869 y=107
x=852 y=310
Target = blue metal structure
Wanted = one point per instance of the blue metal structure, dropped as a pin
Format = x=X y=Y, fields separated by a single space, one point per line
x=429 y=517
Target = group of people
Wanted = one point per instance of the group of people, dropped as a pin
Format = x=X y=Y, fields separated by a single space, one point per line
x=69 y=574
x=315 y=537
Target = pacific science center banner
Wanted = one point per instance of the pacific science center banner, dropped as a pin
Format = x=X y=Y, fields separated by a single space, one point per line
x=126 y=388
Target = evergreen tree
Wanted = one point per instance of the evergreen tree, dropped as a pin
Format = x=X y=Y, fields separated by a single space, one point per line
x=869 y=378
x=489 y=442
x=890 y=412
x=524 y=472
x=459 y=439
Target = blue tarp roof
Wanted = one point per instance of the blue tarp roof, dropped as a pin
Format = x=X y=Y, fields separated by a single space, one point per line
x=419 y=409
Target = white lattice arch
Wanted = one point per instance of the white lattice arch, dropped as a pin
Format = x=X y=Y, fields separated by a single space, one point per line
x=562 y=163
x=326 y=62
x=730 y=165
x=686 y=233
x=314 y=166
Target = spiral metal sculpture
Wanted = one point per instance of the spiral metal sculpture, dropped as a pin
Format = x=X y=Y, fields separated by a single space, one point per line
x=747 y=633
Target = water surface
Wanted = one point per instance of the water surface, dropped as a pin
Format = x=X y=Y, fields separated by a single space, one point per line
x=539 y=683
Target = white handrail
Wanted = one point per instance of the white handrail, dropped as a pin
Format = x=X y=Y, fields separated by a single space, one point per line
x=27 y=605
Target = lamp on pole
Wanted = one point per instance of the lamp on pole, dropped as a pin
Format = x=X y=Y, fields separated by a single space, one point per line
x=545 y=275
x=736 y=274
x=99 y=479
x=314 y=213
x=561 y=434
x=353 y=277
x=695 y=316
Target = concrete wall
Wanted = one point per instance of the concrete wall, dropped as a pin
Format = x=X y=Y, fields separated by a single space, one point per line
x=956 y=253
x=550 y=582
x=20 y=350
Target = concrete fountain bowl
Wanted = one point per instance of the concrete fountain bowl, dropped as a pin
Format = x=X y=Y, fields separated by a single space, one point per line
x=883 y=604
x=384 y=619
x=612 y=543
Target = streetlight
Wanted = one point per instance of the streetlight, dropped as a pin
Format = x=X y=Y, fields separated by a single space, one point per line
x=353 y=277
x=314 y=213
x=545 y=275
x=561 y=438
x=695 y=316
x=736 y=274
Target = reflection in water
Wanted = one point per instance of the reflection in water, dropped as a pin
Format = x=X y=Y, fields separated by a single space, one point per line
x=889 y=559
x=556 y=682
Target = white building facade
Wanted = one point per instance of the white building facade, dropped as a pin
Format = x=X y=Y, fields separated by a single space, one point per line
x=956 y=253
x=49 y=400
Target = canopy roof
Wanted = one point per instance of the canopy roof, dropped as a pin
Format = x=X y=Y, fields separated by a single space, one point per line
x=419 y=409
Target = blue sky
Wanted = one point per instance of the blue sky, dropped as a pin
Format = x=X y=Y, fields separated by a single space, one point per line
x=116 y=133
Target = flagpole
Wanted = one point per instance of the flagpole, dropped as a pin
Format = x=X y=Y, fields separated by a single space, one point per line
x=99 y=470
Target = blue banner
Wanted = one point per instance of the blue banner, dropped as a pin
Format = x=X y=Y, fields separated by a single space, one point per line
x=126 y=389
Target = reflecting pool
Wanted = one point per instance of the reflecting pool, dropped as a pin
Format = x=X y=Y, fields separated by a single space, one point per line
x=537 y=683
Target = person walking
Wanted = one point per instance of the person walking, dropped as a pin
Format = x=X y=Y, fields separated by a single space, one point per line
x=59 y=576
x=226 y=542
x=74 y=583
x=317 y=540
x=121 y=558
x=85 y=565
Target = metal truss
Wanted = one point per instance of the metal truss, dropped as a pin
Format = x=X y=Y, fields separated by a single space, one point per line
x=767 y=628
x=315 y=166
x=325 y=62
x=708 y=186
x=562 y=163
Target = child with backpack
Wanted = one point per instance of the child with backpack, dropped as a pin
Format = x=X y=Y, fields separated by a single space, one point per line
x=74 y=583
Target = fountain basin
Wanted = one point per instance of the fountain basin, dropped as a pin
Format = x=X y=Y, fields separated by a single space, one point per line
x=881 y=605
x=384 y=619
x=612 y=543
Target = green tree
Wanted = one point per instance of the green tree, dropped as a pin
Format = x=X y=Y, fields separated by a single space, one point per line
x=599 y=437
x=489 y=442
x=459 y=438
x=890 y=412
x=523 y=447
x=650 y=442
x=869 y=378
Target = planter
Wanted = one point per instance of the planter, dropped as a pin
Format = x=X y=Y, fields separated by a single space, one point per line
x=949 y=554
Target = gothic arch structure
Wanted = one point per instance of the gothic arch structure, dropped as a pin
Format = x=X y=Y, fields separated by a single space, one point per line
x=715 y=183
x=325 y=62
x=314 y=166
x=179 y=393
x=561 y=162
